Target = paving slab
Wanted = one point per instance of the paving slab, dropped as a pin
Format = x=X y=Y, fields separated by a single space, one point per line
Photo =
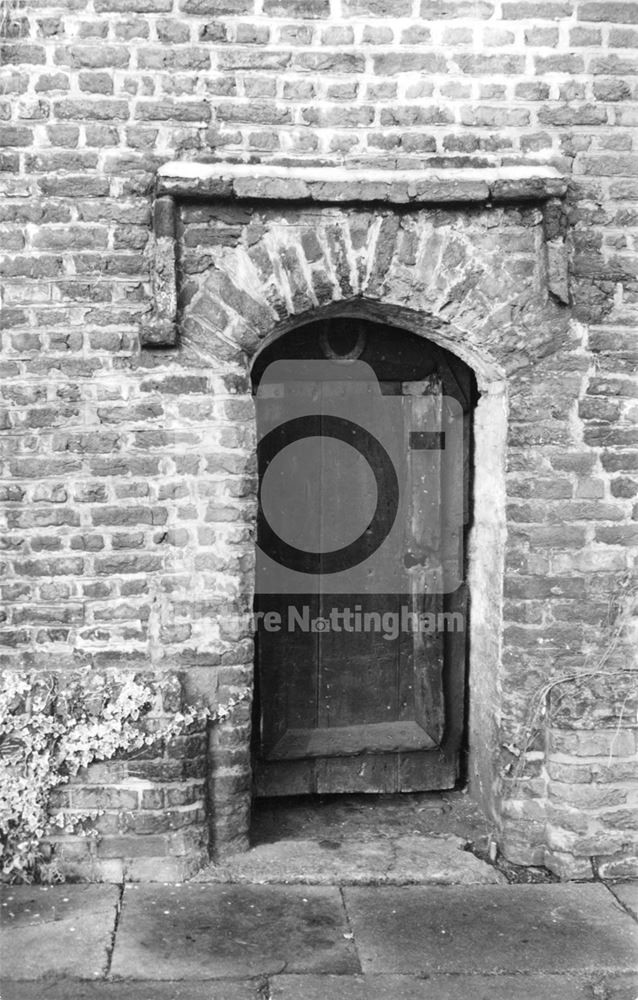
x=65 y=989
x=406 y=860
x=452 y=987
x=621 y=987
x=198 y=931
x=57 y=931
x=440 y=861
x=627 y=894
x=491 y=929
x=312 y=987
x=329 y=987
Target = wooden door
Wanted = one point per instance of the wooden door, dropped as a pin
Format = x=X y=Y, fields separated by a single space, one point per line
x=376 y=706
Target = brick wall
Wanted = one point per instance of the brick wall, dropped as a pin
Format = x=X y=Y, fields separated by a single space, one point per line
x=592 y=770
x=100 y=437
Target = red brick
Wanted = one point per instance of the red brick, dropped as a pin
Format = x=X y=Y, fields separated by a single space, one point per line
x=446 y=9
x=21 y=52
x=133 y=847
x=133 y=6
x=487 y=65
x=15 y=135
x=177 y=110
x=623 y=13
x=377 y=8
x=390 y=64
x=297 y=8
x=94 y=56
x=610 y=166
x=96 y=83
x=90 y=110
x=586 y=114
x=128 y=28
x=538 y=9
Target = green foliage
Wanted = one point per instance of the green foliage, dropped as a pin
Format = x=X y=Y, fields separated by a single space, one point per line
x=51 y=726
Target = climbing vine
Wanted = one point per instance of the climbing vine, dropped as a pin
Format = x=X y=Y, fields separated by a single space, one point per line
x=51 y=726
x=623 y=606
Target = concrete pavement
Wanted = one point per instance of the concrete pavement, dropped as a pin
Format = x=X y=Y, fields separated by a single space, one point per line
x=201 y=941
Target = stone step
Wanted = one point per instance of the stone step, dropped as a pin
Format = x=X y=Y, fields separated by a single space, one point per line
x=405 y=860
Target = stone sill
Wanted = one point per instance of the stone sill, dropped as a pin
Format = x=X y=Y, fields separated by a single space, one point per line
x=186 y=179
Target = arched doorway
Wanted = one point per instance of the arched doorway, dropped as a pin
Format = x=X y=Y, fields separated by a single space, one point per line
x=361 y=687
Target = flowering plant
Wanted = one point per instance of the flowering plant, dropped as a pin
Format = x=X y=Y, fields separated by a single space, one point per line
x=51 y=726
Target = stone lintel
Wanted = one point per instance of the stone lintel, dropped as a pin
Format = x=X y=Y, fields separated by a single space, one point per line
x=335 y=184
x=324 y=185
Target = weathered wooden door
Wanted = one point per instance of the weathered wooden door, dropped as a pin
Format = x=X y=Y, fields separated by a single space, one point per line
x=364 y=691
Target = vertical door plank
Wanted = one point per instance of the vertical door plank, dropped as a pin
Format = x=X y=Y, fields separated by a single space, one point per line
x=424 y=542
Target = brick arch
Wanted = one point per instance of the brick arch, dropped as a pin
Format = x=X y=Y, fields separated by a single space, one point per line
x=442 y=276
x=474 y=281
